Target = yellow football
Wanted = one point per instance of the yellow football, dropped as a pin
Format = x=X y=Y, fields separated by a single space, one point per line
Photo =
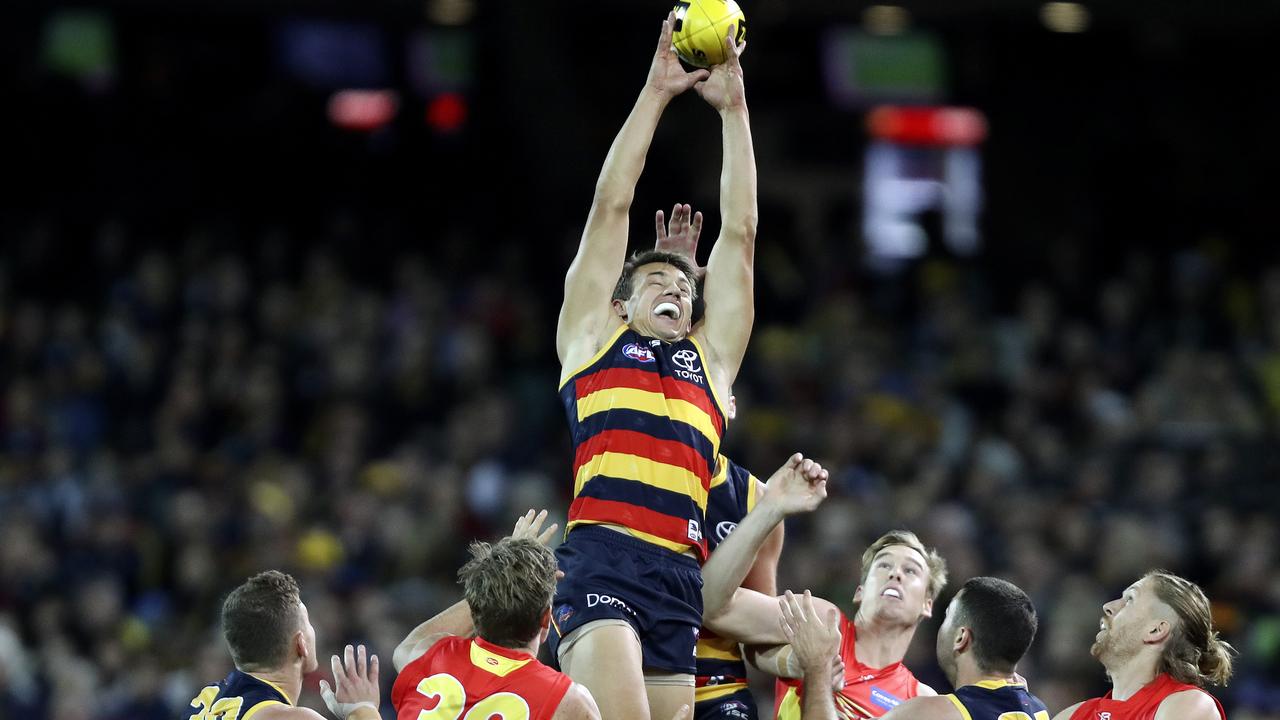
x=701 y=28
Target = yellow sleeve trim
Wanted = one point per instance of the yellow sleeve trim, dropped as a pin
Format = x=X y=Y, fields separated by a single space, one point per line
x=254 y=710
x=753 y=491
x=964 y=711
x=596 y=358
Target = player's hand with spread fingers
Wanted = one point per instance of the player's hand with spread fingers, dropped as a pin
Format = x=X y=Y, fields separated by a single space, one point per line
x=798 y=486
x=814 y=641
x=529 y=527
x=681 y=236
x=724 y=89
x=667 y=77
x=355 y=692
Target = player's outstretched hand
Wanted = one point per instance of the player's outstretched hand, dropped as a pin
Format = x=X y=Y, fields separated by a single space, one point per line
x=666 y=75
x=724 y=88
x=813 y=641
x=681 y=237
x=529 y=527
x=798 y=486
x=355 y=684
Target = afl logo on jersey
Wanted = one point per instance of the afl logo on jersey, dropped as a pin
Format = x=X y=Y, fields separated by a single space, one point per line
x=724 y=528
x=639 y=353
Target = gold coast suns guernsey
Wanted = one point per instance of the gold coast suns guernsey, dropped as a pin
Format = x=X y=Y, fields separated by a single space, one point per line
x=479 y=678
x=646 y=427
x=868 y=692
x=721 y=670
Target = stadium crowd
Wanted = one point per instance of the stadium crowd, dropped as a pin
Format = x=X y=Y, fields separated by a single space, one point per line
x=199 y=410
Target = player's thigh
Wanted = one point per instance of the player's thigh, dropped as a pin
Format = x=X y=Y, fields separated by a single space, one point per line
x=667 y=692
x=607 y=660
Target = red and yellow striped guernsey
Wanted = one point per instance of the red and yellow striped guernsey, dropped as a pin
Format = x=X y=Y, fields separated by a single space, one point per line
x=646 y=425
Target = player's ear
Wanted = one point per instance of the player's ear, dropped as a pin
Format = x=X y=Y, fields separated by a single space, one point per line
x=1157 y=632
x=620 y=308
x=927 y=611
x=964 y=638
x=545 y=622
x=857 y=594
x=300 y=645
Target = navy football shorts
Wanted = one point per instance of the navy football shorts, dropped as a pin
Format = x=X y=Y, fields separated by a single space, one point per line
x=612 y=576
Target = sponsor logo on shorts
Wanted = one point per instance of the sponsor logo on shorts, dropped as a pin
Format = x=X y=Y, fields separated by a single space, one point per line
x=594 y=599
x=734 y=709
x=639 y=353
x=884 y=699
x=695 y=531
x=724 y=528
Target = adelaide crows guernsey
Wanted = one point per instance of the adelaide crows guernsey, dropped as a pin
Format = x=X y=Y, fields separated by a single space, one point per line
x=484 y=680
x=997 y=700
x=1142 y=706
x=721 y=670
x=868 y=692
x=646 y=427
x=238 y=697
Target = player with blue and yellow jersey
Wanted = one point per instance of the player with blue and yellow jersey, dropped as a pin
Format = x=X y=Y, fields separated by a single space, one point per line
x=273 y=644
x=990 y=623
x=721 y=691
x=641 y=386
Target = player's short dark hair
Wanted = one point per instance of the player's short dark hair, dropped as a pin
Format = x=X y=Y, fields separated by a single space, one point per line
x=259 y=618
x=626 y=281
x=509 y=585
x=1002 y=620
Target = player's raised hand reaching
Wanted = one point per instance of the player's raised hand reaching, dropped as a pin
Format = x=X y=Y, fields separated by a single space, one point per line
x=813 y=641
x=529 y=527
x=798 y=486
x=667 y=76
x=724 y=88
x=355 y=682
x=681 y=237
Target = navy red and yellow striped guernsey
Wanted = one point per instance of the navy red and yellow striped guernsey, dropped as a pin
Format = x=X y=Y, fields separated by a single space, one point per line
x=646 y=425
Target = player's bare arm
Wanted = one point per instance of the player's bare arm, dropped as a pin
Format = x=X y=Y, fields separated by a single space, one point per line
x=456 y=619
x=577 y=704
x=925 y=707
x=815 y=642
x=800 y=485
x=1188 y=705
x=763 y=576
x=586 y=316
x=729 y=290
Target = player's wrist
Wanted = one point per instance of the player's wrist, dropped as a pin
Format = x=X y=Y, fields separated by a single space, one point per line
x=735 y=109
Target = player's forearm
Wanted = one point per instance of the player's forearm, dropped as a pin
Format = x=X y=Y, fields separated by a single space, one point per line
x=777 y=660
x=453 y=620
x=763 y=576
x=625 y=161
x=728 y=565
x=818 y=703
x=738 y=212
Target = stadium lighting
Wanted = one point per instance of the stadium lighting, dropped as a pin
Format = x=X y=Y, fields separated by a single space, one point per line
x=885 y=19
x=1065 y=17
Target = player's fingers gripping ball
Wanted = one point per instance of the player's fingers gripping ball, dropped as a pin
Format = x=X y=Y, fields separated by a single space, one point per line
x=701 y=27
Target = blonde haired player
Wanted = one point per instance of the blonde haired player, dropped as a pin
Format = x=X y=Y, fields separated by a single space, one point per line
x=1159 y=647
x=642 y=388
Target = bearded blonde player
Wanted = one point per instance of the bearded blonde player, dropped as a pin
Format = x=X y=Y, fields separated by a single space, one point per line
x=1160 y=650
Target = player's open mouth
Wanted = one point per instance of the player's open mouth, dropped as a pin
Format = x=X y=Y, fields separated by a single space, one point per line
x=667 y=310
x=892 y=592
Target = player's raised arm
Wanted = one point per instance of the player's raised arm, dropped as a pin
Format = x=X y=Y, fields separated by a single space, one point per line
x=586 y=314
x=729 y=291
x=798 y=486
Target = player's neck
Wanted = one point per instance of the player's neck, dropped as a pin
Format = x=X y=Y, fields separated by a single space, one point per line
x=287 y=679
x=880 y=644
x=1132 y=676
x=967 y=673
